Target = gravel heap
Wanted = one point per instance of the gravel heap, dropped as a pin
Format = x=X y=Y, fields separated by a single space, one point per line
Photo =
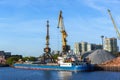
x=99 y=56
x=84 y=55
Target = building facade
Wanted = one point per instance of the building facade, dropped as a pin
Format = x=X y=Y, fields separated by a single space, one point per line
x=110 y=44
x=93 y=47
x=3 y=56
x=77 y=48
x=82 y=47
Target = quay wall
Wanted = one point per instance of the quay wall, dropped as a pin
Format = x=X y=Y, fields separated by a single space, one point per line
x=106 y=68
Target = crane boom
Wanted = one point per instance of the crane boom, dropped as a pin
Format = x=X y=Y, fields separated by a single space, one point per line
x=117 y=31
x=63 y=32
x=60 y=22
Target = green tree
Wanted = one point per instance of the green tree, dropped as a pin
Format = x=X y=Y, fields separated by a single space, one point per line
x=25 y=58
x=55 y=56
x=12 y=60
x=31 y=58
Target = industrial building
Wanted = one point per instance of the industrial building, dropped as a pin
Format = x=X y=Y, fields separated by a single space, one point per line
x=110 y=44
x=83 y=47
x=77 y=48
x=93 y=46
x=3 y=56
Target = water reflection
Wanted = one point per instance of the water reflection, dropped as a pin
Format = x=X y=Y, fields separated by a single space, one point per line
x=65 y=75
x=23 y=74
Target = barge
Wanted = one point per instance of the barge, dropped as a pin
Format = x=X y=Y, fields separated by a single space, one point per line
x=64 y=67
x=74 y=65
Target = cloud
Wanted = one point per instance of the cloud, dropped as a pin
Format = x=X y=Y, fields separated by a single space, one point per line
x=88 y=29
x=94 y=4
x=26 y=29
x=102 y=5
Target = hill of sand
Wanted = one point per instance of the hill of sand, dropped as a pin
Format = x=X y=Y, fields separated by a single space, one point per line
x=113 y=62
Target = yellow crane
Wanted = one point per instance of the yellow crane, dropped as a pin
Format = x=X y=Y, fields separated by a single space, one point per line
x=65 y=47
x=117 y=31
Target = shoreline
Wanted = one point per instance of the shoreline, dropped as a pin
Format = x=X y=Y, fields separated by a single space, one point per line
x=4 y=65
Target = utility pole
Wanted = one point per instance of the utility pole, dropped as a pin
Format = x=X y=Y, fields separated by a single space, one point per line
x=102 y=37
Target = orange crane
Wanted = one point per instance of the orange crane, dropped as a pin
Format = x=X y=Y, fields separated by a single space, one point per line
x=65 y=47
x=117 y=31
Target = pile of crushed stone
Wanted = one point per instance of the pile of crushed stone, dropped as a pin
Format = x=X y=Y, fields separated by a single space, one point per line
x=99 y=56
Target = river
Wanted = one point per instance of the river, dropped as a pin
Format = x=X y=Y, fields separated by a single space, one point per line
x=7 y=73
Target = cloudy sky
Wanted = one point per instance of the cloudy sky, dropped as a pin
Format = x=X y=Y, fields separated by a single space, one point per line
x=23 y=23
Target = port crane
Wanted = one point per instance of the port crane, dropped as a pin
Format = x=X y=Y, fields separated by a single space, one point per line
x=47 y=49
x=117 y=31
x=65 y=47
x=47 y=55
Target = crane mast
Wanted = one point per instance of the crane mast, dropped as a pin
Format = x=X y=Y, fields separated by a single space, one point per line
x=65 y=47
x=47 y=55
x=47 y=49
x=117 y=31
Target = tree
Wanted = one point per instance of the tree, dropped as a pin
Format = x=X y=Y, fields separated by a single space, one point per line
x=12 y=60
x=55 y=56
x=31 y=58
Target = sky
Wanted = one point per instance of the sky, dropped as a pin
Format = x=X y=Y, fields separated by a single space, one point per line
x=23 y=23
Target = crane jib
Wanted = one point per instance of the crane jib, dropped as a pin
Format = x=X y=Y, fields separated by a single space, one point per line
x=117 y=31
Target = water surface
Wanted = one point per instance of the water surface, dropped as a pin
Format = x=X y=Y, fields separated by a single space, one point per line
x=7 y=73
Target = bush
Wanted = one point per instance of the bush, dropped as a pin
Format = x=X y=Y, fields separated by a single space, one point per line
x=12 y=60
x=31 y=58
